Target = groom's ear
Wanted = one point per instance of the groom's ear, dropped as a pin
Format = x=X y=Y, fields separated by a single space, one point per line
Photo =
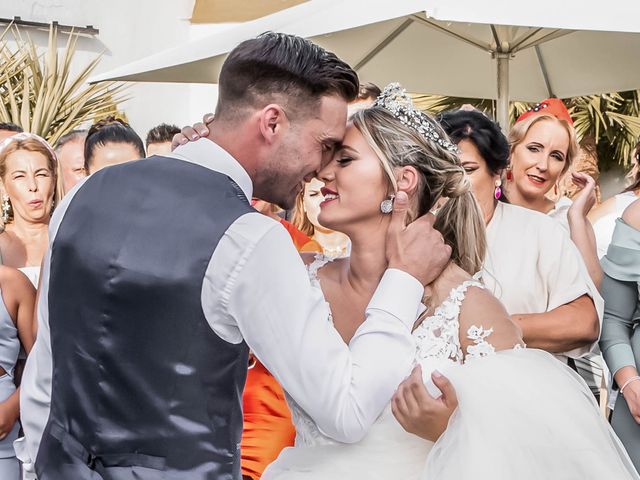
x=273 y=122
x=408 y=179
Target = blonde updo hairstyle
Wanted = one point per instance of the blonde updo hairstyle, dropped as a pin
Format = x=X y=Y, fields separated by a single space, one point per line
x=442 y=181
x=519 y=131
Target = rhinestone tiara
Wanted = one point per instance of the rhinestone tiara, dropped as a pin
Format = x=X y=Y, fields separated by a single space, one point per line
x=394 y=98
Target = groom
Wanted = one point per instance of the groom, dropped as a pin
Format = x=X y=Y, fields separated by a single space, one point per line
x=160 y=276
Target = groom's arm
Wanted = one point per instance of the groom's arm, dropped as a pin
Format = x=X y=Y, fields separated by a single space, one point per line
x=285 y=321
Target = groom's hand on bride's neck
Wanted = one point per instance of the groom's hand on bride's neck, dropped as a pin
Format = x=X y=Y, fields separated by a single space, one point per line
x=417 y=248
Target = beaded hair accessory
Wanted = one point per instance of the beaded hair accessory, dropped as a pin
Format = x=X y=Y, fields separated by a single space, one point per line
x=395 y=99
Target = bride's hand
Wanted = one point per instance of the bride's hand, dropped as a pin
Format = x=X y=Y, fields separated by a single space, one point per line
x=420 y=413
x=191 y=134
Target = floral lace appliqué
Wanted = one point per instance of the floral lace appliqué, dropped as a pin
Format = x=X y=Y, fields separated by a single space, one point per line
x=319 y=261
x=480 y=348
x=438 y=335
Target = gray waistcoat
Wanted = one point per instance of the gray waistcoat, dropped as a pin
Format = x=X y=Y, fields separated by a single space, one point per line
x=142 y=386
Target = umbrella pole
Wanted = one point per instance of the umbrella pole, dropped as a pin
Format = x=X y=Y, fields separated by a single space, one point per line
x=503 y=91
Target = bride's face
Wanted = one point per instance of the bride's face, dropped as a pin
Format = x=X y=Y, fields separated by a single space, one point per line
x=354 y=185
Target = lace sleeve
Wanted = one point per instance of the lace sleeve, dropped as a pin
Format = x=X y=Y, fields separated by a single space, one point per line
x=480 y=347
x=486 y=325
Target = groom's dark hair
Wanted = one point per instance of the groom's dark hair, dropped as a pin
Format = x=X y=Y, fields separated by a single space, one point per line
x=283 y=69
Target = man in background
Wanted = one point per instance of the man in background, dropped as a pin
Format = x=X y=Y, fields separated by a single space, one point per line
x=159 y=139
x=70 y=153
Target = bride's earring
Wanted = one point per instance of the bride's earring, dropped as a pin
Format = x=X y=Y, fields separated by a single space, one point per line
x=387 y=205
x=497 y=193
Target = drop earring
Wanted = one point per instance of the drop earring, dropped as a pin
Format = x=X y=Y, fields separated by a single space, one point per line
x=6 y=206
x=497 y=193
x=387 y=205
x=509 y=174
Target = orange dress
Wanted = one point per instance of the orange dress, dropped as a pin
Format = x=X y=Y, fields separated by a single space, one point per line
x=267 y=420
x=299 y=238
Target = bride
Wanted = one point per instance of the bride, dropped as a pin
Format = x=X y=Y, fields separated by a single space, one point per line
x=520 y=413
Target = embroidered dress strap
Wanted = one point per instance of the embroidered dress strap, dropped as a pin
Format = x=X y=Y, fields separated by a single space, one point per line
x=457 y=294
x=320 y=261
x=478 y=334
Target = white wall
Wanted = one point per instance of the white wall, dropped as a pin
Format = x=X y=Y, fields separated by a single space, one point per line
x=129 y=30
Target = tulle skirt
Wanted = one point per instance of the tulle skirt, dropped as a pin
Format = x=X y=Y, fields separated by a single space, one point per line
x=386 y=453
x=524 y=415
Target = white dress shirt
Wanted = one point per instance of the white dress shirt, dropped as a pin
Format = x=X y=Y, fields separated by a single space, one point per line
x=256 y=288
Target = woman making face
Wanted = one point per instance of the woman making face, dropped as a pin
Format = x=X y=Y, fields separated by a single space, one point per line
x=27 y=171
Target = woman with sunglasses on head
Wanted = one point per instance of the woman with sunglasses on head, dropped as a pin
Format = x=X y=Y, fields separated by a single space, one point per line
x=28 y=169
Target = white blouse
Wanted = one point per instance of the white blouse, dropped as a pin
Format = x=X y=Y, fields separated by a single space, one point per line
x=532 y=265
x=603 y=227
x=560 y=211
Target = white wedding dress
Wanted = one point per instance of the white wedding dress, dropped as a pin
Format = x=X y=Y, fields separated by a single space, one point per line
x=522 y=415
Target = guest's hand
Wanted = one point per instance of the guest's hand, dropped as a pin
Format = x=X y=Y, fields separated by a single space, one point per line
x=191 y=134
x=418 y=412
x=417 y=248
x=8 y=418
x=632 y=397
x=586 y=199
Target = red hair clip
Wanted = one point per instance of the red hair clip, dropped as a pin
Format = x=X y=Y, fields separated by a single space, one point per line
x=550 y=106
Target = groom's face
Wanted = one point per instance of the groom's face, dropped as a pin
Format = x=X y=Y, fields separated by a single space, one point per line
x=307 y=146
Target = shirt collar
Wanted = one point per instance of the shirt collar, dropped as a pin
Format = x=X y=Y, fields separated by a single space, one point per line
x=208 y=154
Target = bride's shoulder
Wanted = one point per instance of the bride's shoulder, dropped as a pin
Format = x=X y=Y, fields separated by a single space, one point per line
x=482 y=310
x=331 y=266
x=309 y=257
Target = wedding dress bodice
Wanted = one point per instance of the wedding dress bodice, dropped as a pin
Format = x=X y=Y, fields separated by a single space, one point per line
x=307 y=432
x=437 y=342
x=523 y=414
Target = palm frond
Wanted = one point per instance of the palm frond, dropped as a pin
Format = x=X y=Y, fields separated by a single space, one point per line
x=612 y=120
x=40 y=93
